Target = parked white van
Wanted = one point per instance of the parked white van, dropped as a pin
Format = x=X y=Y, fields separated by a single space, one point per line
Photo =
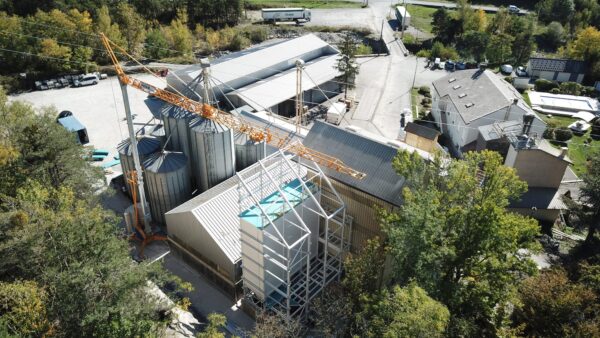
x=86 y=80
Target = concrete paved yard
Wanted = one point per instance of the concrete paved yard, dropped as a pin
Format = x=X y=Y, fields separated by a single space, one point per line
x=100 y=108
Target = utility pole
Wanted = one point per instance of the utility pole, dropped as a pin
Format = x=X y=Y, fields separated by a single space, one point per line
x=299 y=96
x=136 y=159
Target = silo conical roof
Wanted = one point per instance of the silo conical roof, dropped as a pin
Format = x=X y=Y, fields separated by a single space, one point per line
x=145 y=145
x=202 y=125
x=165 y=162
x=169 y=110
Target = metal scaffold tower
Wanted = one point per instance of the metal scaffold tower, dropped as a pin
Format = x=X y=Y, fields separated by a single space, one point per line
x=293 y=234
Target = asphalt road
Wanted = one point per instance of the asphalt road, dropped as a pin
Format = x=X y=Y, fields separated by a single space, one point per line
x=487 y=8
x=384 y=82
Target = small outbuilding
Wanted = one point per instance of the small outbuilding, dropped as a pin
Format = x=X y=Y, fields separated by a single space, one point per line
x=421 y=137
x=561 y=70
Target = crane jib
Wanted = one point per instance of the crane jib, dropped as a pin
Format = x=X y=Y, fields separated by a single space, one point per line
x=256 y=133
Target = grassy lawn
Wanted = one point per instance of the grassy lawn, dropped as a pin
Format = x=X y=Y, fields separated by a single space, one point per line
x=578 y=151
x=421 y=17
x=414 y=97
x=526 y=98
x=257 y=4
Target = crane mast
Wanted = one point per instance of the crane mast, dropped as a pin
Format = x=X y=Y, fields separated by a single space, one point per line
x=255 y=132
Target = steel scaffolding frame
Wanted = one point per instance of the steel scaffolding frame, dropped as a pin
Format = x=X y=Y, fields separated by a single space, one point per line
x=296 y=267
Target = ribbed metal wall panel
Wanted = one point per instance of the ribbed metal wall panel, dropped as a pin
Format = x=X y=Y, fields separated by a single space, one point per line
x=363 y=209
x=247 y=152
x=168 y=182
x=146 y=146
x=212 y=149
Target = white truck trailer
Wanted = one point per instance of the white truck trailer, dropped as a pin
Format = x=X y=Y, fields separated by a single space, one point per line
x=403 y=17
x=286 y=14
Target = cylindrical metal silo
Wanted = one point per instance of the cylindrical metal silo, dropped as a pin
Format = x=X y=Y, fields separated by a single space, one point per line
x=158 y=131
x=146 y=146
x=175 y=124
x=213 y=155
x=168 y=182
x=247 y=152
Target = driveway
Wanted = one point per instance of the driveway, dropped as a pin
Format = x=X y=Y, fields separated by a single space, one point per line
x=384 y=82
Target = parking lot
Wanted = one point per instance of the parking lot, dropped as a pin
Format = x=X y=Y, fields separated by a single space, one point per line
x=99 y=108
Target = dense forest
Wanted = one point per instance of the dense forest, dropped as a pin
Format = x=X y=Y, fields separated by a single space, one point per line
x=50 y=37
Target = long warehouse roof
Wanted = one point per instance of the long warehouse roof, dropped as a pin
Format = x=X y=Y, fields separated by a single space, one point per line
x=245 y=67
x=278 y=88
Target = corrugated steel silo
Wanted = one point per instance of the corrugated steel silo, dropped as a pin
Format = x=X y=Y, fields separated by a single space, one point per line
x=213 y=156
x=175 y=124
x=146 y=146
x=168 y=182
x=158 y=131
x=247 y=152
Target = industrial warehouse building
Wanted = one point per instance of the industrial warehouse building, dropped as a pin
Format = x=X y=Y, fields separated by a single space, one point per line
x=270 y=221
x=381 y=188
x=264 y=77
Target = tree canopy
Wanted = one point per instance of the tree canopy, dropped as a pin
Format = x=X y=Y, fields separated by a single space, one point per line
x=65 y=270
x=454 y=237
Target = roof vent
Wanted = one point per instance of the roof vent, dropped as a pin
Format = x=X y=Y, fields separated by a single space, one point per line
x=461 y=95
x=452 y=80
x=456 y=87
x=469 y=105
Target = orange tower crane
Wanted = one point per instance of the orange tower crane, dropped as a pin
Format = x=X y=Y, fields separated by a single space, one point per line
x=255 y=132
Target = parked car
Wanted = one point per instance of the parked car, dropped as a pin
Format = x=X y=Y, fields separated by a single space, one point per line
x=86 y=80
x=521 y=71
x=471 y=65
x=449 y=65
x=461 y=65
x=64 y=113
x=513 y=9
x=437 y=63
x=506 y=69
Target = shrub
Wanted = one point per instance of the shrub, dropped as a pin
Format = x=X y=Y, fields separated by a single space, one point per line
x=256 y=34
x=508 y=79
x=543 y=85
x=363 y=49
x=239 y=42
x=555 y=91
x=563 y=134
x=424 y=53
x=570 y=88
x=426 y=100
x=424 y=90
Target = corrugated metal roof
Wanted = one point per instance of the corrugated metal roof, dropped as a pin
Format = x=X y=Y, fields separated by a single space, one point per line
x=278 y=88
x=360 y=153
x=71 y=123
x=243 y=68
x=217 y=210
x=145 y=145
x=165 y=162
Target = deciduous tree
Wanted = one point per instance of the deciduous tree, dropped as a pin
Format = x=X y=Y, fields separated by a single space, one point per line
x=454 y=237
